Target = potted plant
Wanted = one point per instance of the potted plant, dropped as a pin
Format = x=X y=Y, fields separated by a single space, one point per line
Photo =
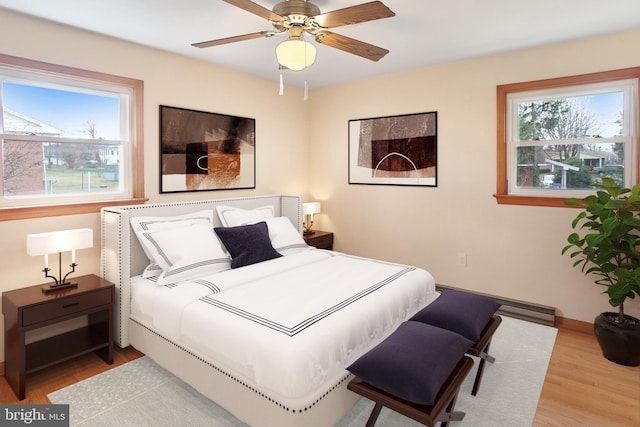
x=610 y=249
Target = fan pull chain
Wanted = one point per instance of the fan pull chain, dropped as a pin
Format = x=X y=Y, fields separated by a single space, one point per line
x=305 y=96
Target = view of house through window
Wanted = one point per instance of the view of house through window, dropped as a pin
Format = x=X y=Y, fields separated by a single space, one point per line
x=569 y=142
x=561 y=140
x=60 y=140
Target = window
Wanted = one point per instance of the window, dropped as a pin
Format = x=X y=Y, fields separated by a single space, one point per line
x=71 y=140
x=558 y=137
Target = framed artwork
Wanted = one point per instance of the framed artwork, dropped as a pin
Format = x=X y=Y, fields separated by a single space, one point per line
x=394 y=150
x=202 y=151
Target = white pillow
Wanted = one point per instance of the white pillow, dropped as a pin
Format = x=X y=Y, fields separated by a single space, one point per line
x=145 y=224
x=232 y=217
x=187 y=253
x=283 y=235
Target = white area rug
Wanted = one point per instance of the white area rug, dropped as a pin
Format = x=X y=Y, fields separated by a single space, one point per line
x=140 y=393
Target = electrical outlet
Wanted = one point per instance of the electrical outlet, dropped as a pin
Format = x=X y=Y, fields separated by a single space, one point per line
x=461 y=259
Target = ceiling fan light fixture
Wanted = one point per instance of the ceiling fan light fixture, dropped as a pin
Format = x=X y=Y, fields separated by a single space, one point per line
x=296 y=54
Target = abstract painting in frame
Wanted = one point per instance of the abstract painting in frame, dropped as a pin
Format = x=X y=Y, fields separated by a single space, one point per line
x=394 y=150
x=202 y=151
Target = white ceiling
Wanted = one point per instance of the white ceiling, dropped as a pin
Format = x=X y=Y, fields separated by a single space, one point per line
x=423 y=32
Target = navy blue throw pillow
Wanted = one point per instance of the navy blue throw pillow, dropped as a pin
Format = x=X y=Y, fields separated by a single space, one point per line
x=247 y=244
x=458 y=311
x=413 y=362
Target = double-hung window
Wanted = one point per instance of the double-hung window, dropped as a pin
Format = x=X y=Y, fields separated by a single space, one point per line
x=559 y=137
x=71 y=139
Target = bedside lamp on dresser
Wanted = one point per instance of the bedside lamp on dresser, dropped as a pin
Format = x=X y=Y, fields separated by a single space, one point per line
x=315 y=238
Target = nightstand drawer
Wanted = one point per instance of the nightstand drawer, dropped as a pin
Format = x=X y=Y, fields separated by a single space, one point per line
x=320 y=239
x=64 y=306
x=323 y=241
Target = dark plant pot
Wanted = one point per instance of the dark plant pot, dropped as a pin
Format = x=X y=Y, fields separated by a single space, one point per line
x=620 y=343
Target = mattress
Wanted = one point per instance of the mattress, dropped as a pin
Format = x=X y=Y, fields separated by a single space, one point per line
x=287 y=326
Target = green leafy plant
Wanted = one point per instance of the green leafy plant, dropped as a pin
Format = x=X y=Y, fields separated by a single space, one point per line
x=609 y=247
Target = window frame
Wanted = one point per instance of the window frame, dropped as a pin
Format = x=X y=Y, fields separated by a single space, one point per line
x=135 y=153
x=503 y=111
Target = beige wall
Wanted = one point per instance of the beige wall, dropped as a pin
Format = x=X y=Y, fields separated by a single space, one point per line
x=512 y=251
x=301 y=148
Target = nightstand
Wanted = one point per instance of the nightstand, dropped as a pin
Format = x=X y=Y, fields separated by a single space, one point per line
x=319 y=239
x=28 y=309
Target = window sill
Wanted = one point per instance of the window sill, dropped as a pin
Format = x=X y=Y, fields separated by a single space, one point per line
x=554 y=202
x=27 y=212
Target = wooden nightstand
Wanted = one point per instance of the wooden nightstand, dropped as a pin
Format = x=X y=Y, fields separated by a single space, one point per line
x=29 y=309
x=319 y=239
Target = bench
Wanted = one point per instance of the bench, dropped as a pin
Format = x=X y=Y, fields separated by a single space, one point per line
x=418 y=370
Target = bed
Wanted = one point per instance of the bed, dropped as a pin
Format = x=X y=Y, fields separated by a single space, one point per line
x=268 y=341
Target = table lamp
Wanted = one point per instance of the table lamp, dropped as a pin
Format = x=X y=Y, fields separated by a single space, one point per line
x=59 y=241
x=308 y=209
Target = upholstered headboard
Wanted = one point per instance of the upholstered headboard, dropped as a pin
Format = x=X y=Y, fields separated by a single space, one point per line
x=122 y=256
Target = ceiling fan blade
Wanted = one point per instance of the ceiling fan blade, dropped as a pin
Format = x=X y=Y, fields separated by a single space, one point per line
x=234 y=39
x=256 y=9
x=354 y=14
x=349 y=45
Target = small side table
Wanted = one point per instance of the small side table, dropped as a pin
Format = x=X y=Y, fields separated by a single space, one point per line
x=29 y=309
x=319 y=239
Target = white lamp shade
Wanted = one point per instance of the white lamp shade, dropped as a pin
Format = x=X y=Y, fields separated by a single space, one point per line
x=310 y=208
x=59 y=241
x=296 y=54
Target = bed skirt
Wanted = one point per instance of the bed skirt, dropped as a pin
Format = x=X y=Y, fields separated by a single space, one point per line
x=243 y=401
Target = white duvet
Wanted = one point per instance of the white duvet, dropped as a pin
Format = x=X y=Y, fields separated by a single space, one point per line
x=290 y=325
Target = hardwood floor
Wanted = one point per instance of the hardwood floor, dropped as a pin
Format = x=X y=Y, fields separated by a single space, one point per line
x=581 y=388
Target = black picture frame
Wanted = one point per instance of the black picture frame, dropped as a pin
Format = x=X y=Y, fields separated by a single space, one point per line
x=203 y=151
x=394 y=150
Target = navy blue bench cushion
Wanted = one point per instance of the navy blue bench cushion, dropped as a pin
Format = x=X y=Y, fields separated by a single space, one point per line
x=413 y=362
x=458 y=311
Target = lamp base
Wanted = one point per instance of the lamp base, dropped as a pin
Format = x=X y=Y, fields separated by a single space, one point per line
x=308 y=232
x=59 y=287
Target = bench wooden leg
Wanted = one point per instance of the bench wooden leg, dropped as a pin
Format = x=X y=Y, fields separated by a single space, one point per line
x=481 y=349
x=374 y=415
x=484 y=357
x=487 y=357
x=450 y=414
x=476 y=383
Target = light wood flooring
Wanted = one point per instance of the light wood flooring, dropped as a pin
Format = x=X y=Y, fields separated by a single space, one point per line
x=581 y=387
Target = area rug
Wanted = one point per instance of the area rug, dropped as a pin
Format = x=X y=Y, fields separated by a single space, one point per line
x=141 y=393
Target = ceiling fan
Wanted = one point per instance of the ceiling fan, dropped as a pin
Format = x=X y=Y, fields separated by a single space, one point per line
x=298 y=18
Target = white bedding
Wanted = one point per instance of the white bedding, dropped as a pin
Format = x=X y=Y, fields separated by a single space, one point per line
x=289 y=325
